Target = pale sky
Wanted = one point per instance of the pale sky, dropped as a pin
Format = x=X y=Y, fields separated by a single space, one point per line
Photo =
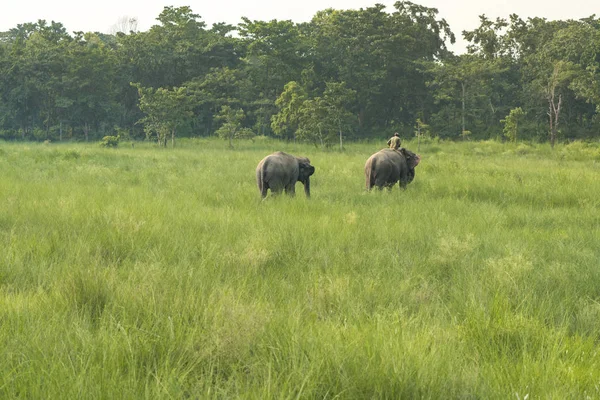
x=100 y=16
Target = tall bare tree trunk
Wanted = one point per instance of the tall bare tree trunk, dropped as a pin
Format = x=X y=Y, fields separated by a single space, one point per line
x=321 y=138
x=418 y=135
x=553 y=106
x=341 y=143
x=463 y=110
x=553 y=114
x=48 y=126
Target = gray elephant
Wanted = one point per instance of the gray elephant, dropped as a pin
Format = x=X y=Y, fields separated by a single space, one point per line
x=280 y=171
x=386 y=167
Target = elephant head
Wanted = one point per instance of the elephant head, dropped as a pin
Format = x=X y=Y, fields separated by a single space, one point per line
x=412 y=160
x=305 y=170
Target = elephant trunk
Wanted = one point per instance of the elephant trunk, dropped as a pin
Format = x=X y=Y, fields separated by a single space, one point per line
x=307 y=187
x=417 y=160
x=368 y=171
x=411 y=175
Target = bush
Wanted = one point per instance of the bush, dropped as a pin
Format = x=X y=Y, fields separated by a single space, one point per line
x=580 y=150
x=110 y=141
x=8 y=134
x=123 y=133
x=39 y=134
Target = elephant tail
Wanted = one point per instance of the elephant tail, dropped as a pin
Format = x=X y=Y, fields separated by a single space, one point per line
x=369 y=174
x=260 y=180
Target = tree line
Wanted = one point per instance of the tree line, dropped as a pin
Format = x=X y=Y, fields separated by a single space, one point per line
x=345 y=75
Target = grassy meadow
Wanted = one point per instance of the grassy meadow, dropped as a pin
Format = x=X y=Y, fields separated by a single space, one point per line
x=158 y=273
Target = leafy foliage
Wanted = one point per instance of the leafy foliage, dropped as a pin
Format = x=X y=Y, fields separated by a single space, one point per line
x=394 y=63
x=166 y=110
x=289 y=103
x=232 y=125
x=110 y=141
x=511 y=123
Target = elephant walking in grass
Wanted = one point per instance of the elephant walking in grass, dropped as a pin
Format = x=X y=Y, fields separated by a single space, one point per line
x=386 y=167
x=280 y=171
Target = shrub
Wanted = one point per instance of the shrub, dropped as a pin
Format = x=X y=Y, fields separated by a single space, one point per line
x=110 y=141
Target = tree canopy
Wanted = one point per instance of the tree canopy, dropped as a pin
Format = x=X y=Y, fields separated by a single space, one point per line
x=346 y=74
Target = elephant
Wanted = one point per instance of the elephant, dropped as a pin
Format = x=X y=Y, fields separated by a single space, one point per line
x=388 y=166
x=279 y=171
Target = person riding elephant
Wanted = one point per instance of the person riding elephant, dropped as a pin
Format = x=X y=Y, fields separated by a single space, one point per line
x=280 y=171
x=387 y=166
x=394 y=142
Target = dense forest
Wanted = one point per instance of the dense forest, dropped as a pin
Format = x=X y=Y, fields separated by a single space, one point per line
x=346 y=74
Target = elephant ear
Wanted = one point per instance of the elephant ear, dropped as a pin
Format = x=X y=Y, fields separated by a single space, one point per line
x=304 y=163
x=306 y=169
x=413 y=159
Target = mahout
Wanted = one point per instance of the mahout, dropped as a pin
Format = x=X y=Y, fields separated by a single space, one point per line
x=388 y=166
x=280 y=171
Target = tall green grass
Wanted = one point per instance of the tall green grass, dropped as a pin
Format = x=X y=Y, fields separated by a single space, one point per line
x=152 y=273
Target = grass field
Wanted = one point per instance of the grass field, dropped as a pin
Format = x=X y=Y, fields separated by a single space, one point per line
x=158 y=273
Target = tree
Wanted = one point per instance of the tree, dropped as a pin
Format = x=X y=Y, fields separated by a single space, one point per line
x=274 y=53
x=338 y=98
x=379 y=56
x=464 y=80
x=558 y=63
x=587 y=82
x=33 y=76
x=551 y=73
x=91 y=73
x=166 y=110
x=323 y=119
x=232 y=125
x=561 y=73
x=511 y=123
x=422 y=129
x=289 y=103
x=221 y=86
x=312 y=121
x=178 y=50
x=487 y=40
x=125 y=25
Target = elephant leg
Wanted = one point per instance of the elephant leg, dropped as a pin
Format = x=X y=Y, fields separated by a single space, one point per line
x=381 y=182
x=263 y=191
x=276 y=189
x=403 y=180
x=290 y=190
